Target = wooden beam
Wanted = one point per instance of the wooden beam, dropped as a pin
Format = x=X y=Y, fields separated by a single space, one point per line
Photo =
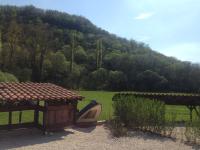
x=17 y=126
x=20 y=108
x=167 y=98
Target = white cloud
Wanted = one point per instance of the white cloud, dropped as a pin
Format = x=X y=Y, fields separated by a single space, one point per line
x=184 y=51
x=145 y=15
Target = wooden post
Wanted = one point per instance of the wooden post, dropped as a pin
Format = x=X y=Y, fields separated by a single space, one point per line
x=36 y=114
x=191 y=110
x=75 y=111
x=190 y=115
x=44 y=118
x=10 y=120
x=197 y=112
x=20 y=117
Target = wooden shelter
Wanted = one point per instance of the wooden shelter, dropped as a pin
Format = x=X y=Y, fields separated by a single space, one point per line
x=190 y=100
x=57 y=105
x=187 y=99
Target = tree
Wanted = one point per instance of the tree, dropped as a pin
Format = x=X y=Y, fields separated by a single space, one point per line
x=44 y=42
x=38 y=44
x=51 y=46
x=98 y=79
x=72 y=50
x=99 y=55
x=80 y=55
x=117 y=80
x=0 y=42
x=7 y=77
x=1 y=62
x=66 y=50
x=13 y=36
x=73 y=79
x=56 y=67
x=150 y=81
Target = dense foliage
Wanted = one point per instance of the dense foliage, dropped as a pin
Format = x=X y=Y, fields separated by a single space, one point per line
x=51 y=46
x=142 y=114
x=7 y=77
x=192 y=130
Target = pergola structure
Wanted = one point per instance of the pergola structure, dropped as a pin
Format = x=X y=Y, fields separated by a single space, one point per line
x=191 y=101
x=58 y=105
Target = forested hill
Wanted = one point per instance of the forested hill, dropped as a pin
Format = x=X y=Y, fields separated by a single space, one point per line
x=51 y=46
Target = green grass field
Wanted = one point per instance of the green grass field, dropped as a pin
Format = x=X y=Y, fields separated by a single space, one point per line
x=103 y=97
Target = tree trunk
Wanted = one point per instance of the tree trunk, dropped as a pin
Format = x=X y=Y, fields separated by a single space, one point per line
x=72 y=52
x=101 y=54
x=42 y=54
x=97 y=55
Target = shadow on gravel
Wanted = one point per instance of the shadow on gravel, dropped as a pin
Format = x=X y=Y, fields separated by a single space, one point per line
x=28 y=137
x=150 y=136
x=140 y=134
x=194 y=146
x=84 y=129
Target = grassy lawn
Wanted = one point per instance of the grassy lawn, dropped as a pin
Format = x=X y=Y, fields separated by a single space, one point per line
x=181 y=112
x=105 y=98
x=27 y=116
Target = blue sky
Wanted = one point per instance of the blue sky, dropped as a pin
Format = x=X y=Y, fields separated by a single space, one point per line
x=168 y=26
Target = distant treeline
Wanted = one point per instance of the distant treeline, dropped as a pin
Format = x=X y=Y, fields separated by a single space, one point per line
x=51 y=46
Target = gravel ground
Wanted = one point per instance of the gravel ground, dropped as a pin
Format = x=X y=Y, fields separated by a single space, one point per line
x=93 y=138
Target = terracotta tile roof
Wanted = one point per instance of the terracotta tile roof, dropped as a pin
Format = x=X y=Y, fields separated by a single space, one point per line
x=35 y=91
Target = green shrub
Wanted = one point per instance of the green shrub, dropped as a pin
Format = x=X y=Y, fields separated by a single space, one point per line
x=140 y=113
x=190 y=134
x=2 y=77
x=170 y=124
x=117 y=128
x=192 y=130
x=7 y=77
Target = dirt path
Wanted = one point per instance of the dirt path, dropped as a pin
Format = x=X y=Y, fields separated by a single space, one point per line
x=84 y=139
